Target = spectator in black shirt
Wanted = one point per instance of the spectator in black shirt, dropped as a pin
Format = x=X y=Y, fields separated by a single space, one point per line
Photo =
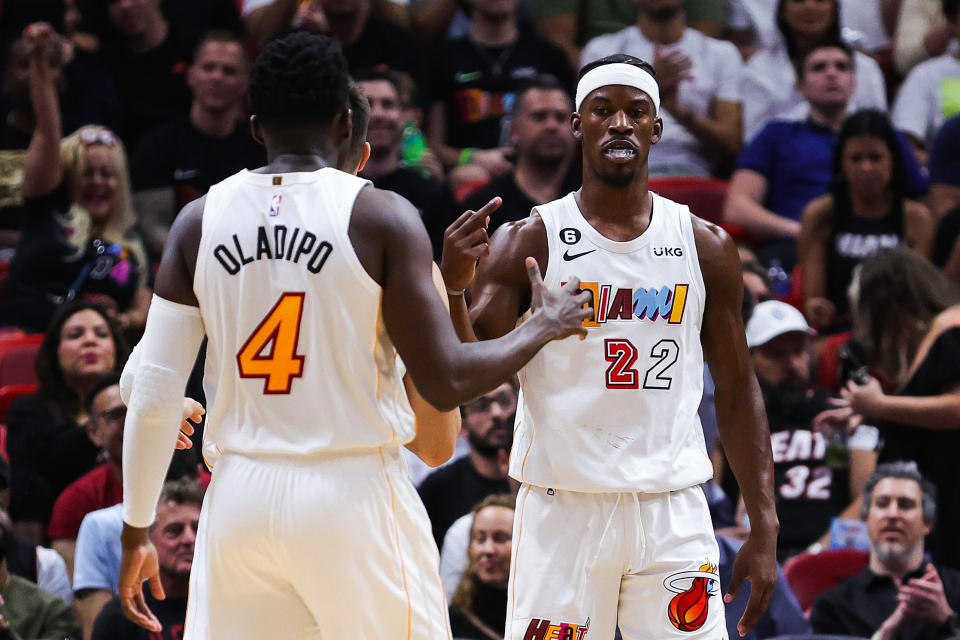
x=453 y=490
x=474 y=83
x=385 y=169
x=813 y=481
x=179 y=161
x=899 y=595
x=368 y=41
x=543 y=140
x=149 y=60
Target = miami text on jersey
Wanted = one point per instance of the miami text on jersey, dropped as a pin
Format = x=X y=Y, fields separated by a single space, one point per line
x=617 y=303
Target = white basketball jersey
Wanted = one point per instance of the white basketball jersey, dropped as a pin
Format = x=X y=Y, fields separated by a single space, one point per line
x=298 y=360
x=617 y=411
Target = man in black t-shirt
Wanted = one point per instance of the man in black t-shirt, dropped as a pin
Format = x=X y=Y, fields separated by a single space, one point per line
x=173 y=533
x=384 y=168
x=149 y=61
x=474 y=83
x=812 y=473
x=179 y=161
x=545 y=170
x=453 y=490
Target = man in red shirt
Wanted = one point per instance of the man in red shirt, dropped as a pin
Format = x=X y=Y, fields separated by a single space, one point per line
x=102 y=487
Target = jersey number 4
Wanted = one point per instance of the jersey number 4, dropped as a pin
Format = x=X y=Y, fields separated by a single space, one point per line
x=271 y=350
x=622 y=356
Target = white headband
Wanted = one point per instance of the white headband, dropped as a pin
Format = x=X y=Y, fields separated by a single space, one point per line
x=618 y=73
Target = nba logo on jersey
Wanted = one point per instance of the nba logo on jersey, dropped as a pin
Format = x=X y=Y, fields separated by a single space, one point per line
x=275 y=205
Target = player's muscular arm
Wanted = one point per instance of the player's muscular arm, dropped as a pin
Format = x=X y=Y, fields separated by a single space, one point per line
x=501 y=290
x=175 y=277
x=740 y=415
x=392 y=244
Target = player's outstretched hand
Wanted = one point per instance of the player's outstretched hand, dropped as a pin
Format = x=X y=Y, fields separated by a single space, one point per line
x=139 y=563
x=756 y=562
x=464 y=242
x=563 y=309
x=192 y=414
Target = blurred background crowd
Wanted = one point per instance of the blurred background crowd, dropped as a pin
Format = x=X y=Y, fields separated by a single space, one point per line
x=823 y=135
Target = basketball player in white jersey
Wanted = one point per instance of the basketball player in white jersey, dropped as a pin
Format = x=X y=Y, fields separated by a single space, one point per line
x=612 y=528
x=303 y=278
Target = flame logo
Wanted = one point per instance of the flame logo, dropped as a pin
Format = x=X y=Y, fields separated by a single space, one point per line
x=688 y=609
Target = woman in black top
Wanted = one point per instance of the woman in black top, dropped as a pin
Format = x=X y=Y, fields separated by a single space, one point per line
x=907 y=313
x=478 y=609
x=866 y=210
x=77 y=238
x=47 y=437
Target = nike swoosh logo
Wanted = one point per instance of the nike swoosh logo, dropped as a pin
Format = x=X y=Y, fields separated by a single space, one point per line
x=567 y=256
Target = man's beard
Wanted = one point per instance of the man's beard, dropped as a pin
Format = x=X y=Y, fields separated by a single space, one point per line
x=891 y=553
x=485 y=447
x=783 y=400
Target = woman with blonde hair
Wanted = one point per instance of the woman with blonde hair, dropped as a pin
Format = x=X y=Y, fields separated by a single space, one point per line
x=478 y=609
x=77 y=238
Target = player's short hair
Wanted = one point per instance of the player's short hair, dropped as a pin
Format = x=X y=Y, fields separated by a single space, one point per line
x=825 y=44
x=906 y=470
x=299 y=77
x=221 y=35
x=360 y=116
x=540 y=82
x=950 y=9
x=618 y=58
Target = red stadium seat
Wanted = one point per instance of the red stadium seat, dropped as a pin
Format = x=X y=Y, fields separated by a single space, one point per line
x=828 y=363
x=8 y=394
x=18 y=354
x=704 y=196
x=810 y=574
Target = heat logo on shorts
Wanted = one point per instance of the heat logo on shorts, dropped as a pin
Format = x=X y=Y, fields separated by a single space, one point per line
x=540 y=629
x=687 y=610
x=617 y=303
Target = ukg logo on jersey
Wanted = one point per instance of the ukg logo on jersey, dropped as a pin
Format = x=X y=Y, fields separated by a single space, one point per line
x=611 y=303
x=543 y=629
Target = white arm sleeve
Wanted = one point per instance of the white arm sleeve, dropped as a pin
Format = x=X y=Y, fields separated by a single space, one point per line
x=168 y=351
x=129 y=373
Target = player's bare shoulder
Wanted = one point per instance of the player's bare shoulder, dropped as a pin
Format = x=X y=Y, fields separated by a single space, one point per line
x=514 y=241
x=175 y=278
x=719 y=259
x=385 y=224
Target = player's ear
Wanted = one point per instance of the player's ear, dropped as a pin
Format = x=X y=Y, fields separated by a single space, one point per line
x=657 y=131
x=364 y=157
x=577 y=125
x=256 y=130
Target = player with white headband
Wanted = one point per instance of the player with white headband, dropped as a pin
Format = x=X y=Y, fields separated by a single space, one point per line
x=612 y=528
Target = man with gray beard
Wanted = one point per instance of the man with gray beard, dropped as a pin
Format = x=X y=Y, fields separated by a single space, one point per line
x=899 y=595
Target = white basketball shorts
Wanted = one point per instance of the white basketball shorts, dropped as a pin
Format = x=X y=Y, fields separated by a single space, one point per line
x=585 y=563
x=339 y=547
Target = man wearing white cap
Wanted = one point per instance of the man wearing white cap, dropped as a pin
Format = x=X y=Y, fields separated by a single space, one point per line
x=814 y=482
x=612 y=528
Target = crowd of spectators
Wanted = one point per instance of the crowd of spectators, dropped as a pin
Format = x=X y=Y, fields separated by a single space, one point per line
x=835 y=124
